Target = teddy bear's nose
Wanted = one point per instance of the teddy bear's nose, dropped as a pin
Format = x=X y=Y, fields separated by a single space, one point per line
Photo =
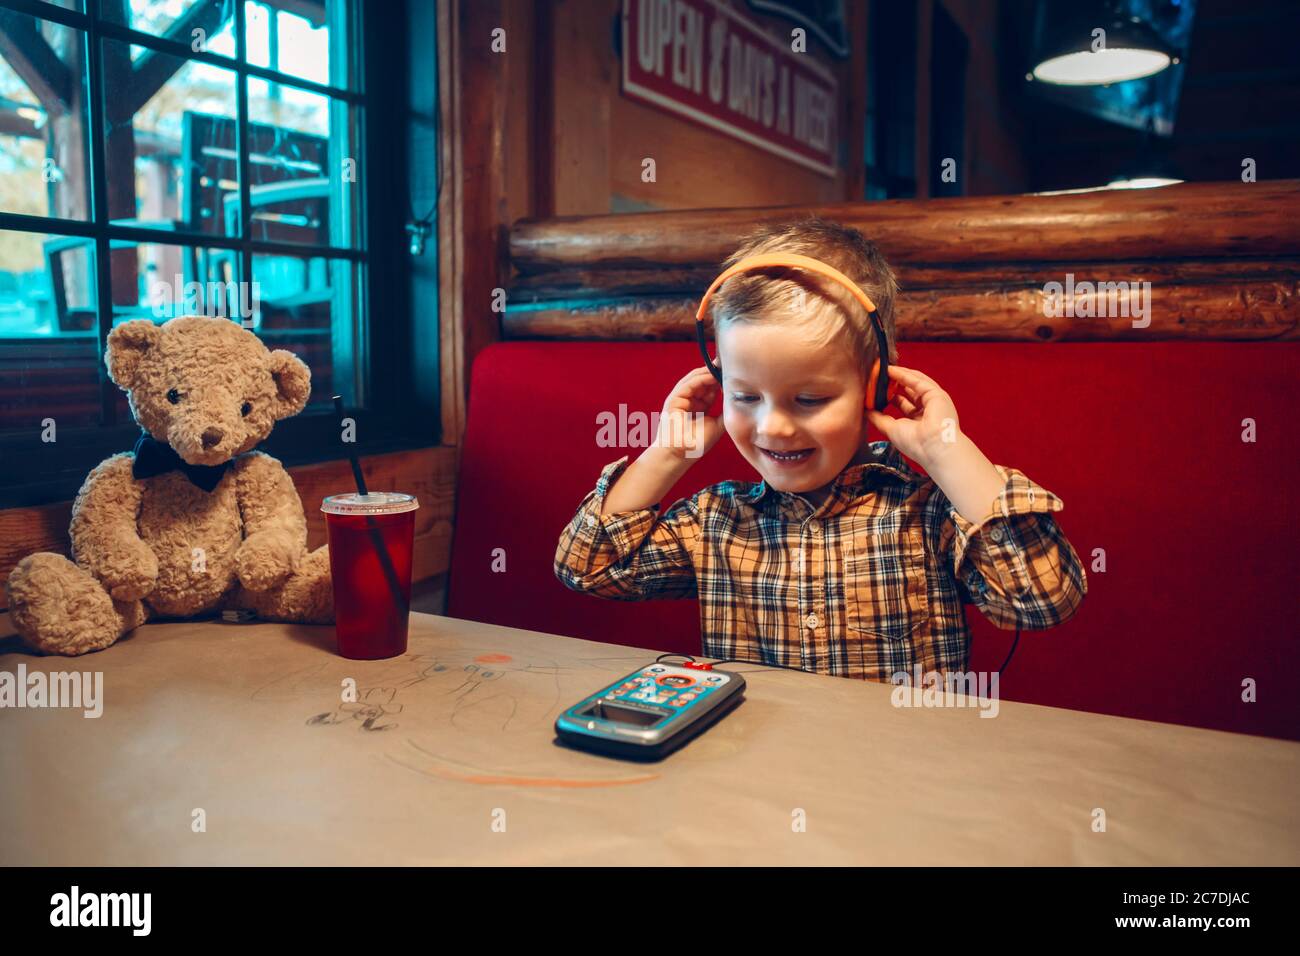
x=212 y=436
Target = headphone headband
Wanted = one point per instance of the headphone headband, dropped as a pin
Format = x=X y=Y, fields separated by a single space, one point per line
x=878 y=384
x=769 y=260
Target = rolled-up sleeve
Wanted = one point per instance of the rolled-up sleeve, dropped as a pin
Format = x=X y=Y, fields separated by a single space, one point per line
x=630 y=555
x=1016 y=563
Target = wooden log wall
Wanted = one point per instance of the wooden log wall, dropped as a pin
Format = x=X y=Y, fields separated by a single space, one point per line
x=1222 y=260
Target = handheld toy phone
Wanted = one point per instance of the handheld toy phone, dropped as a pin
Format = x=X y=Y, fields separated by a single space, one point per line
x=650 y=712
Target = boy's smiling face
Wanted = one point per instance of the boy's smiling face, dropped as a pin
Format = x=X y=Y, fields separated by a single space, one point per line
x=783 y=392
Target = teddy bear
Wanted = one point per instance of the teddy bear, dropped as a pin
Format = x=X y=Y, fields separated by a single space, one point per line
x=192 y=520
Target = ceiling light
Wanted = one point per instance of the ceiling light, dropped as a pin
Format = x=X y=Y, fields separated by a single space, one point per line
x=1096 y=44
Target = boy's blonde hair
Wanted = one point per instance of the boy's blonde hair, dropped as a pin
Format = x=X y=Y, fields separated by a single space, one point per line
x=783 y=294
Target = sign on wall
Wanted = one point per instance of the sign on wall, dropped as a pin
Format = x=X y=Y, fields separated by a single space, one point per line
x=704 y=61
x=825 y=18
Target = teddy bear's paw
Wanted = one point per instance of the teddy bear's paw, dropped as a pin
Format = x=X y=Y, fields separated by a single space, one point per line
x=305 y=598
x=82 y=638
x=131 y=572
x=59 y=608
x=264 y=562
x=132 y=587
x=310 y=590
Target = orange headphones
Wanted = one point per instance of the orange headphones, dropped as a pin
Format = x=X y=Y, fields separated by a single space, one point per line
x=878 y=384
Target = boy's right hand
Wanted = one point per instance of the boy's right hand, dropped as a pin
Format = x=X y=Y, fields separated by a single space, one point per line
x=686 y=429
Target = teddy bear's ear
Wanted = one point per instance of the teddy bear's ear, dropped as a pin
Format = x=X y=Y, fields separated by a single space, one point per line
x=292 y=380
x=129 y=347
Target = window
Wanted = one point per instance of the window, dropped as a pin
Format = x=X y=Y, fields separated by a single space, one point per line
x=179 y=157
x=948 y=55
x=891 y=101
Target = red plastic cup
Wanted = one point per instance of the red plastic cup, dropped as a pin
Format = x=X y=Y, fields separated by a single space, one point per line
x=371 y=538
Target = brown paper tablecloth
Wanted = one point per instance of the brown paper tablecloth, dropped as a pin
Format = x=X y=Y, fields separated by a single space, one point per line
x=448 y=758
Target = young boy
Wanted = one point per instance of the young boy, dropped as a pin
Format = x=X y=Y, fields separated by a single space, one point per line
x=842 y=560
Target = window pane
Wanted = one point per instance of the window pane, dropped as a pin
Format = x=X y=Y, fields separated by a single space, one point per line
x=159 y=282
x=43 y=118
x=199 y=24
x=49 y=354
x=306 y=40
x=170 y=145
x=166 y=281
x=303 y=165
x=306 y=305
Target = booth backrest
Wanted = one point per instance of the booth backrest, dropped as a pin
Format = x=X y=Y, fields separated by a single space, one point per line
x=1196 y=527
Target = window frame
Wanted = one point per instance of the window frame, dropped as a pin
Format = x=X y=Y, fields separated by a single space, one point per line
x=394 y=414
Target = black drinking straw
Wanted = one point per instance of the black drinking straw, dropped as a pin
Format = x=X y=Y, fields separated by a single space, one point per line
x=385 y=560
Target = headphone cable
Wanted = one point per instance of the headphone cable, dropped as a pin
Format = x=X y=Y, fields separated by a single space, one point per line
x=1009 y=653
x=736 y=660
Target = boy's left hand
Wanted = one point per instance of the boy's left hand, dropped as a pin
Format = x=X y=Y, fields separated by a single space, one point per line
x=930 y=427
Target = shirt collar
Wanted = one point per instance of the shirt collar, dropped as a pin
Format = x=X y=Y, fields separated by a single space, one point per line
x=886 y=463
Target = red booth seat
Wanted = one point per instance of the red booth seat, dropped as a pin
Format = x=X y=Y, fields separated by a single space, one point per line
x=1142 y=442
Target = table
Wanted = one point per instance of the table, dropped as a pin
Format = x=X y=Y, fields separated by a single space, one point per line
x=448 y=757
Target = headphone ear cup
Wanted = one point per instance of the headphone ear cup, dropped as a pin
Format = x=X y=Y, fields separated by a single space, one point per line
x=872 y=383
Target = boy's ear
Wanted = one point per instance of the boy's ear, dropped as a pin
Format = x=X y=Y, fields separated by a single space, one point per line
x=130 y=346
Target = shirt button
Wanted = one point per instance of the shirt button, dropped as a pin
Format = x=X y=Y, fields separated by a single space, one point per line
x=811 y=621
x=995 y=534
x=816 y=529
x=591 y=521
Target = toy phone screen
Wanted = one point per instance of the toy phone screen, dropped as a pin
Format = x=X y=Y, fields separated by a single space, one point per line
x=622 y=715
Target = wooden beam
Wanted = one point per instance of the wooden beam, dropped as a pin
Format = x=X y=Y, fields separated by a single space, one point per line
x=471 y=228
x=11 y=124
x=583 y=88
x=67 y=132
x=35 y=62
x=451 y=232
x=595 y=285
x=119 y=168
x=1253 y=310
x=313 y=11
x=1174 y=222
x=540 y=110
x=153 y=69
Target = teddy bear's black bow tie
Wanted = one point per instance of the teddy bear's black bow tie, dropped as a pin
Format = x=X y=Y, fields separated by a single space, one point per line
x=153 y=457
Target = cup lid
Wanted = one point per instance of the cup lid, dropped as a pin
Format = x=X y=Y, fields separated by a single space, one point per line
x=375 y=503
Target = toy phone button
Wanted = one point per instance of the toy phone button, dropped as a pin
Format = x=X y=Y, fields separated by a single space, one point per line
x=676 y=680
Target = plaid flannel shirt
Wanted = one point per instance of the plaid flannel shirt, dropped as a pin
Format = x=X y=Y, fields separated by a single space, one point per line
x=869 y=584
